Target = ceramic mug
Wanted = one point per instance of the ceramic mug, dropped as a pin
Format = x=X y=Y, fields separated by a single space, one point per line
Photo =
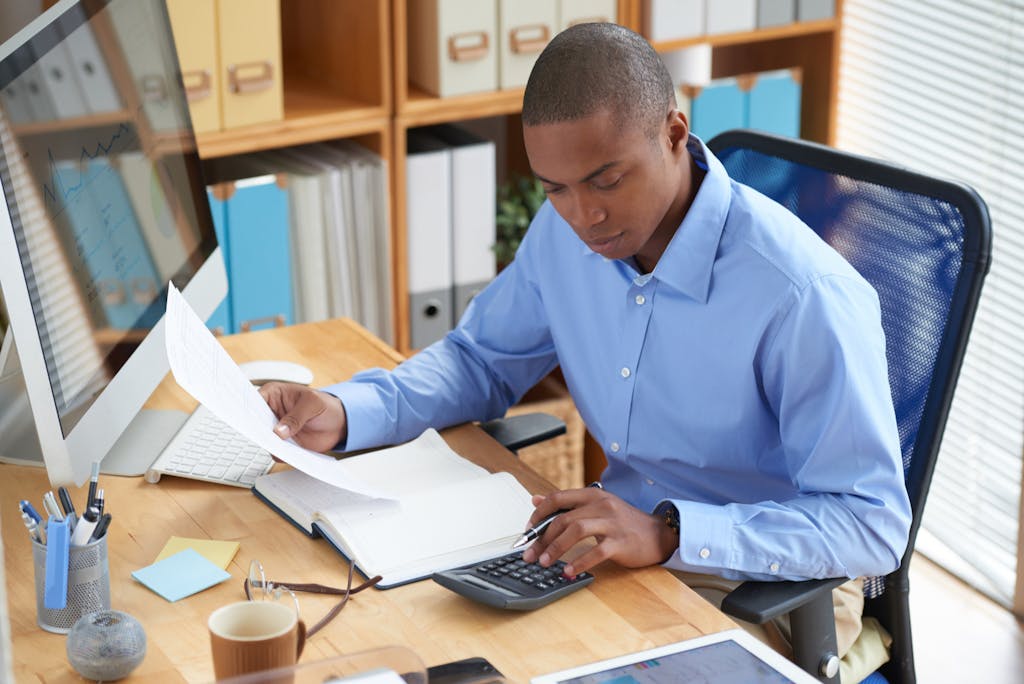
x=252 y=636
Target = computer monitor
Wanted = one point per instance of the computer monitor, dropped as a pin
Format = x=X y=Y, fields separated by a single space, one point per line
x=104 y=205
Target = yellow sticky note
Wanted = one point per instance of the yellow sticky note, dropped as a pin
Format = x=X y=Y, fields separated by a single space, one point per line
x=218 y=552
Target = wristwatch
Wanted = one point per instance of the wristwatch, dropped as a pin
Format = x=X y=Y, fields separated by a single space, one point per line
x=670 y=514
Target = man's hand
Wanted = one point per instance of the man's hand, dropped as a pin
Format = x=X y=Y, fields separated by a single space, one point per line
x=316 y=420
x=624 y=534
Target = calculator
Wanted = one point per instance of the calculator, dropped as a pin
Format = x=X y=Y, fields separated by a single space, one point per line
x=512 y=583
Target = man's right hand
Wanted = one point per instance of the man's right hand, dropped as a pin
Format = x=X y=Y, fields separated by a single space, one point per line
x=315 y=419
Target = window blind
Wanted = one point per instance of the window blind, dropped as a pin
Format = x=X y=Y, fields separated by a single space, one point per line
x=938 y=86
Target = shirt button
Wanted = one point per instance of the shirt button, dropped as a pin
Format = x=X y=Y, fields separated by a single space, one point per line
x=649 y=482
x=705 y=553
x=615 y=447
x=640 y=299
x=624 y=372
x=774 y=567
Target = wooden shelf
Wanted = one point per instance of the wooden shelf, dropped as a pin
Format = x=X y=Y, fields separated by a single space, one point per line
x=805 y=28
x=309 y=116
x=422 y=109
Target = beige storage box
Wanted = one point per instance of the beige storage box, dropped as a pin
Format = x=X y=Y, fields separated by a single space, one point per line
x=195 y=37
x=250 y=62
x=524 y=28
x=452 y=46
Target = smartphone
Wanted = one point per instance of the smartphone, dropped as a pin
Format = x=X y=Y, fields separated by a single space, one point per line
x=466 y=671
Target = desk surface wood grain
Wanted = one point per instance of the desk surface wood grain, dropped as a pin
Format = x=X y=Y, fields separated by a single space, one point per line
x=622 y=611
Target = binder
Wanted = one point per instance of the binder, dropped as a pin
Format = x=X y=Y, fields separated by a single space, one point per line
x=90 y=68
x=429 y=212
x=220 y=320
x=774 y=102
x=38 y=95
x=717 y=107
x=731 y=16
x=674 y=19
x=775 y=12
x=474 y=211
x=524 y=28
x=572 y=12
x=813 y=10
x=65 y=94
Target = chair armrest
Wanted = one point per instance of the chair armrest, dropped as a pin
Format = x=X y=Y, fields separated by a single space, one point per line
x=516 y=432
x=811 y=618
x=759 y=602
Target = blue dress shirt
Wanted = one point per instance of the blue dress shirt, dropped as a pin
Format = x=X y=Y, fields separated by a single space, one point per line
x=742 y=381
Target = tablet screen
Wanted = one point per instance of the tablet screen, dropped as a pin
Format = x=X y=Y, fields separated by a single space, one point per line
x=725 y=662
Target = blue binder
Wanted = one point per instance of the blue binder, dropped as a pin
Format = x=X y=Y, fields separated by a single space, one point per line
x=775 y=102
x=719 y=106
x=220 y=320
x=259 y=254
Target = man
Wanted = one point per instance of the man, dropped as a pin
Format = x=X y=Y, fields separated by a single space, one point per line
x=730 y=363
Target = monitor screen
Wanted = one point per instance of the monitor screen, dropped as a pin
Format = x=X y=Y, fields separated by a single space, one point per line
x=105 y=203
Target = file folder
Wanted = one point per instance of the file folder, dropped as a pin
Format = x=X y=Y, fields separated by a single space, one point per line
x=719 y=106
x=428 y=212
x=220 y=320
x=775 y=102
x=474 y=211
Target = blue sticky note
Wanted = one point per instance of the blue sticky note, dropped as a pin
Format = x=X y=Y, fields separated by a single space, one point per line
x=181 y=575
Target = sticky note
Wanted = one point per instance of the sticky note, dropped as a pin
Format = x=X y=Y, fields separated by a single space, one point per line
x=183 y=574
x=219 y=553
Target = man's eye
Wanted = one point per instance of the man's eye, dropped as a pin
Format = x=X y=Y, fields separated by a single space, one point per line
x=608 y=185
x=553 y=191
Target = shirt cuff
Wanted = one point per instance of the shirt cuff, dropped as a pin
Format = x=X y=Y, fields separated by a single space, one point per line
x=704 y=540
x=363 y=409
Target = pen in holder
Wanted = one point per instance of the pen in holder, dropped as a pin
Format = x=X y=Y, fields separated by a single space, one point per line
x=88 y=585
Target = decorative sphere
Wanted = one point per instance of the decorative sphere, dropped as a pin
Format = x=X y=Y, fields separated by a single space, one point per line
x=106 y=645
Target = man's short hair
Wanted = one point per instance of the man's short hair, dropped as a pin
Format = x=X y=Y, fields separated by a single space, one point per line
x=601 y=66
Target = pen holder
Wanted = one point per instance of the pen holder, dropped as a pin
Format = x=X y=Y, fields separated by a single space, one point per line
x=88 y=585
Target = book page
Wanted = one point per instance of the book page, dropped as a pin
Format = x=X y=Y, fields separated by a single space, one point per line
x=436 y=529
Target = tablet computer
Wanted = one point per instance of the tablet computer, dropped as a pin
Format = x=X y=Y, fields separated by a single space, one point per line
x=729 y=657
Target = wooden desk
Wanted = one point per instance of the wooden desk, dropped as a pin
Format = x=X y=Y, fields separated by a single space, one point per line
x=622 y=611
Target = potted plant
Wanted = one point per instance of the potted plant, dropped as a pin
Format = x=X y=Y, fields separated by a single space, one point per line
x=519 y=199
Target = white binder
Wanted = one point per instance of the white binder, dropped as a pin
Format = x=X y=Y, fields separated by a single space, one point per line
x=731 y=16
x=673 y=19
x=59 y=78
x=428 y=221
x=91 y=71
x=473 y=204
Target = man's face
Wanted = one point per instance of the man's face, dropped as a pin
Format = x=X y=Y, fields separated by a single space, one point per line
x=613 y=185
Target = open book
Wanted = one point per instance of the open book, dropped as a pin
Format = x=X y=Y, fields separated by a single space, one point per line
x=448 y=512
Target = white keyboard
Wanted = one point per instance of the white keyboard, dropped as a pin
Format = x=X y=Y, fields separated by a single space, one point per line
x=206 y=448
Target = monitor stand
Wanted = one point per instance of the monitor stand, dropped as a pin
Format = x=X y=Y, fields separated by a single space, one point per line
x=132 y=454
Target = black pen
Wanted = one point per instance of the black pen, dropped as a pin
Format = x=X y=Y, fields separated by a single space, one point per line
x=538 y=529
x=101 y=527
x=98 y=501
x=66 y=503
x=94 y=479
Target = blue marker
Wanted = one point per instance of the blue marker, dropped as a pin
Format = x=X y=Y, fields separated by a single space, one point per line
x=26 y=507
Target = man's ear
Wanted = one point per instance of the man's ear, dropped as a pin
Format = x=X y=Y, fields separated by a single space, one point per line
x=678 y=130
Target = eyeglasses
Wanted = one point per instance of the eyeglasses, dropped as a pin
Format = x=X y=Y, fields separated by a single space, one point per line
x=258 y=587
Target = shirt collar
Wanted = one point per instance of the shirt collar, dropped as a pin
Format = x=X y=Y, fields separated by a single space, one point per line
x=688 y=260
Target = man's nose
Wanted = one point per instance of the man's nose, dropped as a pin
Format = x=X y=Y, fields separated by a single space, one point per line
x=586 y=212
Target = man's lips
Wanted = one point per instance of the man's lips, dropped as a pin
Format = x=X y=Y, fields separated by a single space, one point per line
x=603 y=243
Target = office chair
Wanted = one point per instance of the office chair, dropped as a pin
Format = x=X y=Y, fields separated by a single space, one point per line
x=925 y=246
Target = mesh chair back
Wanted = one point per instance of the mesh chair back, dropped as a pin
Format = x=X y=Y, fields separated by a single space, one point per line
x=925 y=246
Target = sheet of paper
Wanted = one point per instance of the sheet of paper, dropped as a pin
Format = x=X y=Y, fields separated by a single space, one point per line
x=219 y=553
x=183 y=574
x=205 y=370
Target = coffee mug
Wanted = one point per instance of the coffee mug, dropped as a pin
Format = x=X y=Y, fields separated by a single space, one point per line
x=252 y=636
